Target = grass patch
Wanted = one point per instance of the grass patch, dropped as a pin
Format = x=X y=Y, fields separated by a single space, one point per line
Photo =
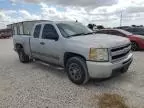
x=107 y=100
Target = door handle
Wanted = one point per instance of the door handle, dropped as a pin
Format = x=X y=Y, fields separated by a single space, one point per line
x=42 y=43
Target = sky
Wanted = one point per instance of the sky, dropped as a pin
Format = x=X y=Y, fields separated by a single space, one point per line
x=99 y=12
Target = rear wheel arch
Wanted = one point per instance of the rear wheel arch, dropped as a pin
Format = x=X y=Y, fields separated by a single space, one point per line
x=18 y=46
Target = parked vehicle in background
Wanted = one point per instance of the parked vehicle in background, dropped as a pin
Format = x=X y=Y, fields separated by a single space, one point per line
x=82 y=53
x=5 y=33
x=122 y=27
x=137 y=41
x=135 y=30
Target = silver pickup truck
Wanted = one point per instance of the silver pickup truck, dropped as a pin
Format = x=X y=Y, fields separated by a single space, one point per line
x=82 y=53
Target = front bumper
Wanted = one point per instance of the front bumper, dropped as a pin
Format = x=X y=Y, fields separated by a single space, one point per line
x=107 y=69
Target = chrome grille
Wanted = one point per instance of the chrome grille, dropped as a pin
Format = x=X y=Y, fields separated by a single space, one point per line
x=119 y=53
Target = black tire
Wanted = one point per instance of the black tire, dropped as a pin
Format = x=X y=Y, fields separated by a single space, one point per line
x=77 y=70
x=134 y=46
x=23 y=57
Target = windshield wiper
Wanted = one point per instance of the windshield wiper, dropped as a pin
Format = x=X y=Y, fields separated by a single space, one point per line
x=79 y=34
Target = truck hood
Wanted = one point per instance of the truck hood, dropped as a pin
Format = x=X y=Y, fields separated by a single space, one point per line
x=100 y=40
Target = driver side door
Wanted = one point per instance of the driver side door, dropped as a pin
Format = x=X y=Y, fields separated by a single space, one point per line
x=49 y=44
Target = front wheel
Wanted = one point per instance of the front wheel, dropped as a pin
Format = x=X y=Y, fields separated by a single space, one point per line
x=77 y=70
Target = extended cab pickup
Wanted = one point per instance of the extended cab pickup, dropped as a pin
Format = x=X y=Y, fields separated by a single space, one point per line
x=82 y=53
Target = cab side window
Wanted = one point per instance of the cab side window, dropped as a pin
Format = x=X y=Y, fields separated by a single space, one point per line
x=49 y=32
x=37 y=31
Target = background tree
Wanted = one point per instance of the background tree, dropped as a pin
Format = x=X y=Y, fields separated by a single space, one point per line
x=100 y=27
x=90 y=26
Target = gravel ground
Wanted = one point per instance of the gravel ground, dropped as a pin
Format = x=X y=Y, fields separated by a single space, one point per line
x=36 y=85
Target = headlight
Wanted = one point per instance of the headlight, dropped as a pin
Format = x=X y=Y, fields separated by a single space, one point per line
x=98 y=54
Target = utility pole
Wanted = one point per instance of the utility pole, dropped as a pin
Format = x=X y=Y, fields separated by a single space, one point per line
x=121 y=19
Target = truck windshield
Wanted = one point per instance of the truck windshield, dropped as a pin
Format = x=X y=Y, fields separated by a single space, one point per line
x=73 y=29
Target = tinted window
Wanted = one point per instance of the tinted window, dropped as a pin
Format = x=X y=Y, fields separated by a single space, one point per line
x=129 y=30
x=37 y=31
x=49 y=32
x=139 y=31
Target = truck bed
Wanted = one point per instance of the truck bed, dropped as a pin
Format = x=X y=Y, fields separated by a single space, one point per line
x=23 y=40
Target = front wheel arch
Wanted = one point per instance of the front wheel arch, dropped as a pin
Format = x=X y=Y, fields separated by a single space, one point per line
x=68 y=55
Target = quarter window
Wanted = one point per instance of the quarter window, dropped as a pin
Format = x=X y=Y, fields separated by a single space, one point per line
x=37 y=31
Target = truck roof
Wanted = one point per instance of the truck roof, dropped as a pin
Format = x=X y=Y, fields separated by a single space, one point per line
x=30 y=21
x=56 y=22
x=41 y=21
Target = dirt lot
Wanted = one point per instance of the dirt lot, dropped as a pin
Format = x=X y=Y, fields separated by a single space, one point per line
x=36 y=85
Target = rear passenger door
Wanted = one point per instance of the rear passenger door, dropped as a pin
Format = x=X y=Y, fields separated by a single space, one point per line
x=34 y=41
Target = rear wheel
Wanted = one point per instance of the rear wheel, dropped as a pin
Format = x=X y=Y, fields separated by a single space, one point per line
x=77 y=70
x=134 y=46
x=23 y=57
